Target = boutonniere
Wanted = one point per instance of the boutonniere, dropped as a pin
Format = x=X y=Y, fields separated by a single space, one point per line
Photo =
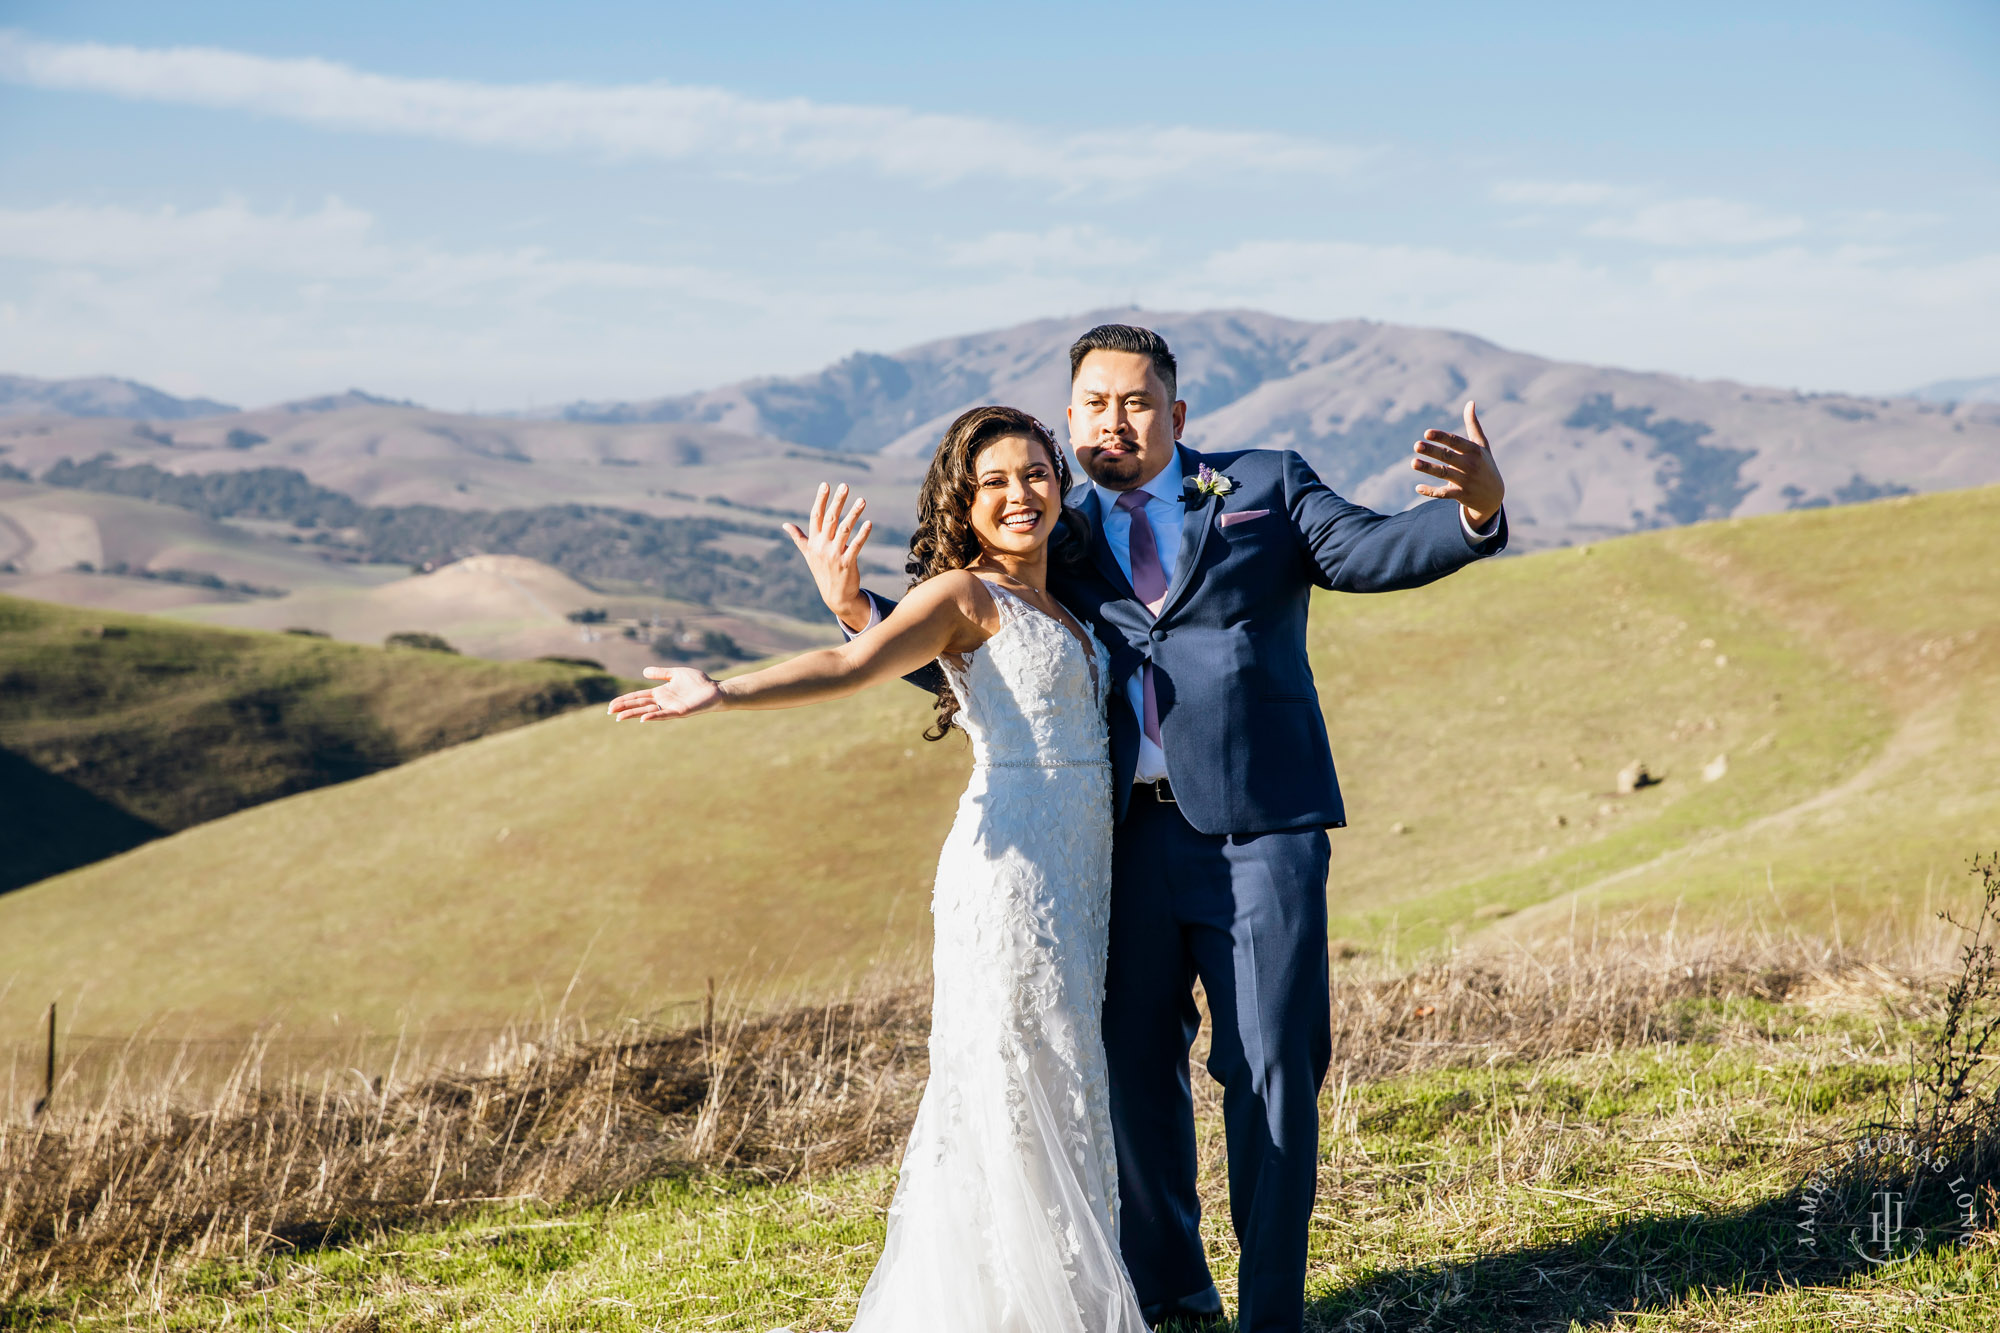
x=1207 y=481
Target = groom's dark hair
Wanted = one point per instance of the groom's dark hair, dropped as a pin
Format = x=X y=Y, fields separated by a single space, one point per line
x=1128 y=338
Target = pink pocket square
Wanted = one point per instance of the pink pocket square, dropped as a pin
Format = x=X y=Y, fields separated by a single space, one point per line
x=1242 y=516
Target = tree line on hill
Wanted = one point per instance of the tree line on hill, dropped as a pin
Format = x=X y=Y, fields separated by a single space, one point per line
x=594 y=544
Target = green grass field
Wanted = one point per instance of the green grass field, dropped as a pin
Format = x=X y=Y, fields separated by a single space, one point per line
x=1842 y=662
x=115 y=728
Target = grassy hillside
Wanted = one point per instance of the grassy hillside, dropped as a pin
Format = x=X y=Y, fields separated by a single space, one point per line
x=82 y=548
x=115 y=728
x=1842 y=663
x=60 y=545
x=509 y=607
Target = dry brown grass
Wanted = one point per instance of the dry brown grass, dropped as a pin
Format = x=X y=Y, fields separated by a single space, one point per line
x=568 y=1114
x=560 y=1115
x=1503 y=1007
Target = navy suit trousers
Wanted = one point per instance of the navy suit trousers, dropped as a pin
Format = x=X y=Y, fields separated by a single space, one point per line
x=1246 y=915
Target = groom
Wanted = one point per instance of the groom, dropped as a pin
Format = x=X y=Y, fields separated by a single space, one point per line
x=1196 y=573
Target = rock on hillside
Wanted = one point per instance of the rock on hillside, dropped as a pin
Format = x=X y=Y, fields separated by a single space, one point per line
x=98 y=396
x=1589 y=451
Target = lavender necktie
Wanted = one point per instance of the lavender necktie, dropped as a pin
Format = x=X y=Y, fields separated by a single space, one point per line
x=1149 y=580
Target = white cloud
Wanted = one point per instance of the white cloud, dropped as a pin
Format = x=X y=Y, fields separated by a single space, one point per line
x=265 y=305
x=1633 y=214
x=1562 y=194
x=1864 y=319
x=334 y=244
x=256 y=306
x=1882 y=224
x=1082 y=247
x=260 y=306
x=1698 y=222
x=326 y=243
x=661 y=120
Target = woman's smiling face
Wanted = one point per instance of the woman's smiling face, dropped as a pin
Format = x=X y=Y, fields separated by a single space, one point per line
x=1015 y=498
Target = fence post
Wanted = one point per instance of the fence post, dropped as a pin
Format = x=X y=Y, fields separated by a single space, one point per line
x=48 y=1067
x=707 y=1013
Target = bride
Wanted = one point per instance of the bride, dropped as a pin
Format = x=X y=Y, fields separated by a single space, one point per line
x=1006 y=1209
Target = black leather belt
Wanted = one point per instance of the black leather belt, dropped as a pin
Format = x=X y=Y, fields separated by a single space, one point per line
x=1159 y=791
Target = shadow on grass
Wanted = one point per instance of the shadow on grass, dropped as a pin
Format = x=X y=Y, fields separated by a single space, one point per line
x=1609 y=1273
x=49 y=824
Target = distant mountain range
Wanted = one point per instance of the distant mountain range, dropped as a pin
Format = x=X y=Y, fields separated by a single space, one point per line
x=334 y=402
x=1982 y=390
x=1588 y=451
x=98 y=396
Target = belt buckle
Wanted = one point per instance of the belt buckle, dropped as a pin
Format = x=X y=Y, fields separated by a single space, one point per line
x=1162 y=793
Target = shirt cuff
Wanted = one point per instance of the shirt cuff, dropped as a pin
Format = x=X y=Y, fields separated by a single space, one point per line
x=875 y=614
x=1472 y=534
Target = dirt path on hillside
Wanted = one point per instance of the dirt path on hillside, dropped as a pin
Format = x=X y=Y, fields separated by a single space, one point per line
x=21 y=543
x=533 y=600
x=1918 y=737
x=1919 y=733
x=57 y=539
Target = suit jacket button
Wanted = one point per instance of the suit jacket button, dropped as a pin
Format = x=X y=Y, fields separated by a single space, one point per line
x=1158 y=635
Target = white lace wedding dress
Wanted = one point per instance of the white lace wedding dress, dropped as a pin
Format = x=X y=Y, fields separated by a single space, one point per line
x=1005 y=1217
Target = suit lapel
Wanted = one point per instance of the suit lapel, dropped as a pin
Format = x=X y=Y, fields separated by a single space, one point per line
x=1196 y=524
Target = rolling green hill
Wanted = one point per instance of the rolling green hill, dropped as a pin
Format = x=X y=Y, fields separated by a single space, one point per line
x=117 y=728
x=1813 y=690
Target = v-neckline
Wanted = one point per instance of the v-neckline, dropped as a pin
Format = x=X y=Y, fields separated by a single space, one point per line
x=1079 y=635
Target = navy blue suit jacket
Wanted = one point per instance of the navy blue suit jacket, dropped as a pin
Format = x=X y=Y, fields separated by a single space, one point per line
x=1240 y=719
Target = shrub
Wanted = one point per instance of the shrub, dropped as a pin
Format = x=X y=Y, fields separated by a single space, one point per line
x=1954 y=1092
x=430 y=643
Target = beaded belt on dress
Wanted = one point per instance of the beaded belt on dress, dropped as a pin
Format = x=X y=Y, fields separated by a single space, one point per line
x=1043 y=763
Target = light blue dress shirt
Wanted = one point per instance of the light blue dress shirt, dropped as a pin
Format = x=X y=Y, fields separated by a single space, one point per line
x=1165 y=512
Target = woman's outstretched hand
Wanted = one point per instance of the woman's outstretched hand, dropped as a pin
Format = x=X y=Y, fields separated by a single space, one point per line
x=682 y=692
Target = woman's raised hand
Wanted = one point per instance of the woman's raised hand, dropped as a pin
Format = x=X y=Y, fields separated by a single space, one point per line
x=682 y=692
x=831 y=542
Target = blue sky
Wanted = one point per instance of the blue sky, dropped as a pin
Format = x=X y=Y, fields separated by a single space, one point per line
x=501 y=204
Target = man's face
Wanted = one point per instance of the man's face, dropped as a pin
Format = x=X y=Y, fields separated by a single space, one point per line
x=1120 y=423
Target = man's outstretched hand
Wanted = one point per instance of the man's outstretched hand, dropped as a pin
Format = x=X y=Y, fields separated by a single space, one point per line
x=831 y=544
x=1465 y=467
x=682 y=692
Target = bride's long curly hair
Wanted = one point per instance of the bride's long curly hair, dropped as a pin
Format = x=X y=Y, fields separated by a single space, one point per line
x=944 y=538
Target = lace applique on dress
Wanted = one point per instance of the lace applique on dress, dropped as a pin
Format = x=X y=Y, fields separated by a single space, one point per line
x=1005 y=1216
